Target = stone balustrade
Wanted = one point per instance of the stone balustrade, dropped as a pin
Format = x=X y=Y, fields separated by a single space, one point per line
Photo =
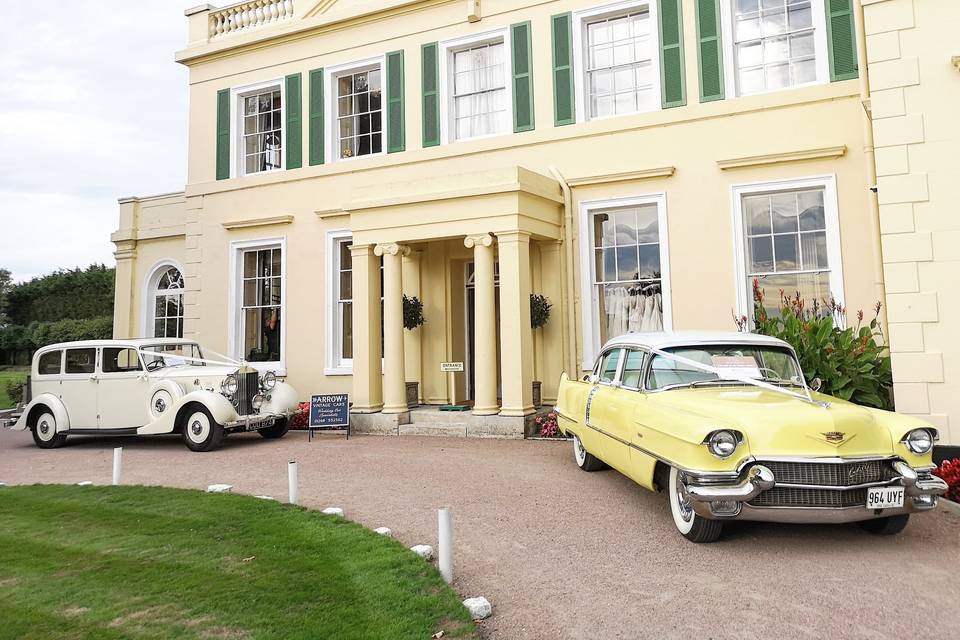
x=252 y=14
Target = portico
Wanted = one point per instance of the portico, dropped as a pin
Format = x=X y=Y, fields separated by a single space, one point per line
x=424 y=239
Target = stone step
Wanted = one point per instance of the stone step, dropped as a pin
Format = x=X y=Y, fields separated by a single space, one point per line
x=448 y=430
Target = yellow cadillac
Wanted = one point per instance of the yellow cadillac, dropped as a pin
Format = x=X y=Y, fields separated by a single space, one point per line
x=727 y=426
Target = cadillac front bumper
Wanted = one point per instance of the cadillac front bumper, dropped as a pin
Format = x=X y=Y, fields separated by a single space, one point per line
x=801 y=490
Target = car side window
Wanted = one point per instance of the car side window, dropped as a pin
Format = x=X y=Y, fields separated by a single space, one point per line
x=120 y=360
x=633 y=368
x=608 y=366
x=49 y=363
x=80 y=361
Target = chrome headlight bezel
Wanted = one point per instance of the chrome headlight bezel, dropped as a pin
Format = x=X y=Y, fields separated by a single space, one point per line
x=269 y=380
x=229 y=385
x=920 y=441
x=257 y=401
x=723 y=443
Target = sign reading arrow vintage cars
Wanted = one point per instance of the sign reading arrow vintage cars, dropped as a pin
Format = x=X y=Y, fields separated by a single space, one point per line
x=727 y=425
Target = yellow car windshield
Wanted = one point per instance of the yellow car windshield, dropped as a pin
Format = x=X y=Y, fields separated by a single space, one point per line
x=769 y=364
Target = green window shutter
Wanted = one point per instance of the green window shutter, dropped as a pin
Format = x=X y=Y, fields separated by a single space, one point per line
x=396 y=137
x=523 y=118
x=842 y=40
x=223 y=134
x=671 y=54
x=315 y=126
x=294 y=106
x=564 y=105
x=430 y=74
x=709 y=51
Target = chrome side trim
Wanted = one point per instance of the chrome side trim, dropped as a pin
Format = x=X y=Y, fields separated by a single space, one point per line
x=565 y=416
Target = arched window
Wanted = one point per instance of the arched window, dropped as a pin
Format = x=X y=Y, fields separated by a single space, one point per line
x=166 y=303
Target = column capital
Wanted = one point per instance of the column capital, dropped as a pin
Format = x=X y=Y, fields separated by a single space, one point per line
x=513 y=236
x=478 y=240
x=360 y=250
x=391 y=248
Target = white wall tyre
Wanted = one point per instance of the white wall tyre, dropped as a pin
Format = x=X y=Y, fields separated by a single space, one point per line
x=585 y=460
x=45 y=433
x=691 y=526
x=200 y=431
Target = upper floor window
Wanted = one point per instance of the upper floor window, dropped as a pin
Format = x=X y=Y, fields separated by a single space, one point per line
x=480 y=106
x=166 y=303
x=775 y=44
x=261 y=129
x=358 y=112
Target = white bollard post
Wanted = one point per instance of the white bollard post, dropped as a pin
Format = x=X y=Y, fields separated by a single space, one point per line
x=445 y=544
x=117 y=464
x=294 y=482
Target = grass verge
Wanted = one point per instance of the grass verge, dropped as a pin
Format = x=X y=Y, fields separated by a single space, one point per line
x=139 y=562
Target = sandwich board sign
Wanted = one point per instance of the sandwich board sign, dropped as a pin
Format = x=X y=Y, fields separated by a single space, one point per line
x=329 y=411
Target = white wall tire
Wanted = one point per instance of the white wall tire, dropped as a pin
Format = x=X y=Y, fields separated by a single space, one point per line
x=584 y=459
x=45 y=434
x=200 y=431
x=691 y=526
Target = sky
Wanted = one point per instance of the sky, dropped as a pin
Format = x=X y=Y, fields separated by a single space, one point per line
x=93 y=108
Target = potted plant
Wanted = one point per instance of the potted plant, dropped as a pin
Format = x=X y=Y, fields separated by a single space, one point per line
x=412 y=319
x=539 y=315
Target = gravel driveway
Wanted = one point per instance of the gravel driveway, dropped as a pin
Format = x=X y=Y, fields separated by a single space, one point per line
x=561 y=553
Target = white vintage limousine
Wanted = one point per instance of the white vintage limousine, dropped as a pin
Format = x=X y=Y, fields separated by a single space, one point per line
x=149 y=386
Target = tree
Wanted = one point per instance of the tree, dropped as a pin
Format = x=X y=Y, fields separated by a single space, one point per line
x=6 y=282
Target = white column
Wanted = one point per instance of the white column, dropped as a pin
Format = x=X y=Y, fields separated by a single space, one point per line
x=367 y=378
x=394 y=368
x=485 y=326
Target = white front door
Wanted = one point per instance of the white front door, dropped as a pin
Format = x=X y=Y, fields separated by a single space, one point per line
x=79 y=387
x=121 y=391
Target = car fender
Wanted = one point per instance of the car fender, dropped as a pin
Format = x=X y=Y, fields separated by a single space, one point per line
x=167 y=390
x=283 y=400
x=53 y=403
x=219 y=407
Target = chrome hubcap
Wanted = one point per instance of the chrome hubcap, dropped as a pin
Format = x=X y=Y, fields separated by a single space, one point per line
x=44 y=427
x=196 y=427
x=683 y=502
x=160 y=405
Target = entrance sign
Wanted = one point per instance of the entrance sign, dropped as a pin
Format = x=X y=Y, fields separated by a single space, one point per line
x=329 y=411
x=451 y=367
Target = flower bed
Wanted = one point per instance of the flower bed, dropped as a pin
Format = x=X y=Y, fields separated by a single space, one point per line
x=949 y=471
x=301 y=418
x=547 y=426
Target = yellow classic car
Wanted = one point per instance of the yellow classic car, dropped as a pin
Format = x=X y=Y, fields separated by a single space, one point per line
x=727 y=425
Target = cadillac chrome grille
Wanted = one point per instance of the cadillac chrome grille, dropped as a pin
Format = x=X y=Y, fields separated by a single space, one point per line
x=804 y=497
x=830 y=474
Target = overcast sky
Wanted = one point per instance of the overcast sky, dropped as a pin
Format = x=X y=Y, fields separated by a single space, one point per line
x=94 y=108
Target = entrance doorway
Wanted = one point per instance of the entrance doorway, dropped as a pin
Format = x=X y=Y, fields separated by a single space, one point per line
x=471 y=304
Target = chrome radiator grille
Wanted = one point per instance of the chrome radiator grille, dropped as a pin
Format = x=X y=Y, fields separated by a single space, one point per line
x=805 y=497
x=830 y=474
x=249 y=386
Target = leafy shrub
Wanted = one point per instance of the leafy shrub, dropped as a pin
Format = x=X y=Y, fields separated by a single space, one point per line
x=949 y=471
x=549 y=428
x=412 y=312
x=852 y=362
x=539 y=310
x=14 y=387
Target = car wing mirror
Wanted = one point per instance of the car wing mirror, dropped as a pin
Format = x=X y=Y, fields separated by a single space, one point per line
x=816 y=384
x=593 y=379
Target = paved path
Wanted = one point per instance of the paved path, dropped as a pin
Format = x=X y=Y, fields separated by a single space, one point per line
x=561 y=553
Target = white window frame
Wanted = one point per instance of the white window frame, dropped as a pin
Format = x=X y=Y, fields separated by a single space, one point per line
x=332 y=104
x=445 y=53
x=235 y=312
x=588 y=291
x=729 y=60
x=580 y=20
x=237 y=159
x=335 y=364
x=831 y=220
x=149 y=289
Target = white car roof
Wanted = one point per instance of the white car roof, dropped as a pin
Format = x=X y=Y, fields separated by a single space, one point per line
x=666 y=339
x=133 y=342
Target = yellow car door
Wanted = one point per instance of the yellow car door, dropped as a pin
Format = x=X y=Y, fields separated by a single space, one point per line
x=597 y=414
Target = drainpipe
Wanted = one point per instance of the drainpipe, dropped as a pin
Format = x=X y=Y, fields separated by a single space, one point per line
x=869 y=155
x=572 y=364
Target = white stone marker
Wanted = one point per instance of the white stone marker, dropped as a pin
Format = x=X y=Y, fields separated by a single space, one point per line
x=293 y=481
x=219 y=488
x=117 y=464
x=3 y=484
x=445 y=543
x=84 y=483
x=479 y=608
x=333 y=511
x=266 y=498
x=425 y=551
x=384 y=531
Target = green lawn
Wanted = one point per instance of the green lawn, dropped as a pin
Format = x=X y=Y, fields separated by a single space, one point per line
x=138 y=562
x=5 y=401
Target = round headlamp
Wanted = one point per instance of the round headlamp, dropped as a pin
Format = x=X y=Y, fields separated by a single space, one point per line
x=256 y=402
x=919 y=441
x=230 y=385
x=269 y=380
x=722 y=443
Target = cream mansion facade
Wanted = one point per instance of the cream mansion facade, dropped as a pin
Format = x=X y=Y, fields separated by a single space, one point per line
x=636 y=162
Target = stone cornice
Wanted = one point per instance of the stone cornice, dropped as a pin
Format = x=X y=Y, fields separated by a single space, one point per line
x=824 y=153
x=657 y=172
x=256 y=222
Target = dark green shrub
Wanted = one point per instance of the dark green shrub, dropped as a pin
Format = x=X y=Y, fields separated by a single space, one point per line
x=412 y=312
x=852 y=362
x=539 y=310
